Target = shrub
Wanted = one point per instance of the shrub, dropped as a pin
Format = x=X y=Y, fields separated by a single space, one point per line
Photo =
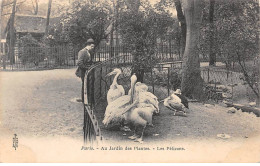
x=30 y=50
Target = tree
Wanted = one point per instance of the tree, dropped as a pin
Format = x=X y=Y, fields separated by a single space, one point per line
x=192 y=83
x=48 y=18
x=165 y=5
x=30 y=50
x=140 y=25
x=35 y=7
x=182 y=22
x=237 y=37
x=84 y=20
x=1 y=12
x=212 y=54
x=230 y=33
x=12 y=34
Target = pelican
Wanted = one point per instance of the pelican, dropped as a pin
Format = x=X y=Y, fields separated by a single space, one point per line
x=141 y=91
x=141 y=111
x=177 y=102
x=115 y=109
x=141 y=115
x=115 y=90
x=143 y=96
x=139 y=87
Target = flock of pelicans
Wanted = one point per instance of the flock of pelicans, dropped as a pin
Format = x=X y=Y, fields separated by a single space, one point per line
x=138 y=106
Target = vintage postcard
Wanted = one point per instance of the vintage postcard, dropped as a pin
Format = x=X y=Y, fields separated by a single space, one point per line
x=129 y=81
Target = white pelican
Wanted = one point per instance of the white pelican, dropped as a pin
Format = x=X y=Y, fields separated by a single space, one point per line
x=148 y=98
x=141 y=91
x=115 y=90
x=139 y=87
x=177 y=102
x=115 y=109
x=141 y=111
x=140 y=114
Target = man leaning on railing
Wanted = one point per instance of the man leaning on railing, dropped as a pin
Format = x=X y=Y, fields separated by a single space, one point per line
x=84 y=63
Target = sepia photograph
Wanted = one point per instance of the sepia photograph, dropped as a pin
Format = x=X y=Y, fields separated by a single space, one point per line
x=129 y=81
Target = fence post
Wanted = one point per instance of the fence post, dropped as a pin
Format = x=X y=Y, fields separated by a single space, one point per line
x=74 y=60
x=232 y=87
x=100 y=82
x=168 y=82
x=208 y=75
x=93 y=87
x=152 y=79
x=227 y=74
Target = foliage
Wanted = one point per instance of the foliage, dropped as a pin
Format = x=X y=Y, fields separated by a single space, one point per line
x=81 y=21
x=30 y=50
x=235 y=34
x=161 y=78
x=235 y=30
x=140 y=29
x=238 y=36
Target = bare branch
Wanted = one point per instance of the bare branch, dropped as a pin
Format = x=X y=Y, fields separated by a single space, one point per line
x=21 y=2
x=16 y=7
x=8 y=4
x=247 y=77
x=33 y=5
x=6 y=14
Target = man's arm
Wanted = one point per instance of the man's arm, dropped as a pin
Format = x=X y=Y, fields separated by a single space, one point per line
x=81 y=57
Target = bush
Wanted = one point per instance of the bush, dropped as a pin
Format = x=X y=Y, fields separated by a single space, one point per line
x=160 y=78
x=30 y=50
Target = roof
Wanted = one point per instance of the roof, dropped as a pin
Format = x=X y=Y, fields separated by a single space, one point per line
x=32 y=23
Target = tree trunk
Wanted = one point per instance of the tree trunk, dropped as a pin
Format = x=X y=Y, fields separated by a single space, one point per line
x=192 y=83
x=1 y=11
x=36 y=7
x=12 y=34
x=48 y=18
x=182 y=22
x=116 y=25
x=212 y=53
x=134 y=6
x=112 y=41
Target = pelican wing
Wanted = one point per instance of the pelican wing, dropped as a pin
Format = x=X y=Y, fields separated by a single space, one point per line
x=175 y=105
x=115 y=110
x=149 y=98
x=115 y=92
x=184 y=101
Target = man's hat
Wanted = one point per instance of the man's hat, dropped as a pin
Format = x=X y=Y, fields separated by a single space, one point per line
x=90 y=41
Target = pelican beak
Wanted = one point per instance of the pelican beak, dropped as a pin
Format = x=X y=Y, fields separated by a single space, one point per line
x=157 y=111
x=111 y=73
x=133 y=82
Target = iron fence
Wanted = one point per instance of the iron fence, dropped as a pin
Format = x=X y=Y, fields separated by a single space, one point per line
x=67 y=55
x=223 y=84
x=158 y=79
x=27 y=58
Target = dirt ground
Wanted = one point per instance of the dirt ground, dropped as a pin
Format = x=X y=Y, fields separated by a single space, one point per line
x=40 y=107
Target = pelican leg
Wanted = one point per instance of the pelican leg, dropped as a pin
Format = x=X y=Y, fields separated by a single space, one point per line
x=140 y=140
x=174 y=111
x=133 y=136
x=151 y=125
x=184 y=112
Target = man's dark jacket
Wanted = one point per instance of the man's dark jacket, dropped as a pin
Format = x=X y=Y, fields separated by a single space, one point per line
x=84 y=62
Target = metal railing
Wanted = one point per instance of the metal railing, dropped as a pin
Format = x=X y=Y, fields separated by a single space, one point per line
x=96 y=86
x=158 y=79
